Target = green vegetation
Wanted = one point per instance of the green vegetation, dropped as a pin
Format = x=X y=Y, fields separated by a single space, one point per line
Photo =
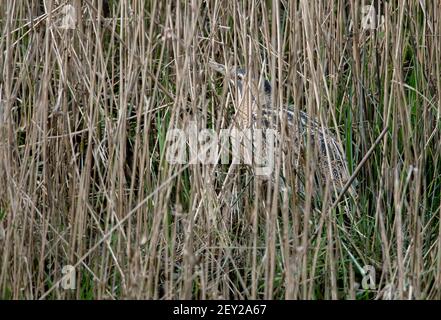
x=84 y=178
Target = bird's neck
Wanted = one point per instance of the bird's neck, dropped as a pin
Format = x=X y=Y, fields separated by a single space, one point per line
x=246 y=108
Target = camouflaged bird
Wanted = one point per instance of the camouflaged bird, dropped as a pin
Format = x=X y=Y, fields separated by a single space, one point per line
x=254 y=104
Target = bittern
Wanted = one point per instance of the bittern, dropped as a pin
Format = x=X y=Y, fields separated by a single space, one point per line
x=254 y=102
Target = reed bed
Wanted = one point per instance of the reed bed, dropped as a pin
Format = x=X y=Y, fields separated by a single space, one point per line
x=85 y=109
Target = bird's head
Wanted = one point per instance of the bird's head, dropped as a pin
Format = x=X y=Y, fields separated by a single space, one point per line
x=258 y=90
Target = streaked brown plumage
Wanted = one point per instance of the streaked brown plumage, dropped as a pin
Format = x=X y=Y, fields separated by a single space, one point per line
x=254 y=103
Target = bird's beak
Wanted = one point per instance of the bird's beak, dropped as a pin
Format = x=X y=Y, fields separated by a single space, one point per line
x=223 y=70
x=217 y=67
